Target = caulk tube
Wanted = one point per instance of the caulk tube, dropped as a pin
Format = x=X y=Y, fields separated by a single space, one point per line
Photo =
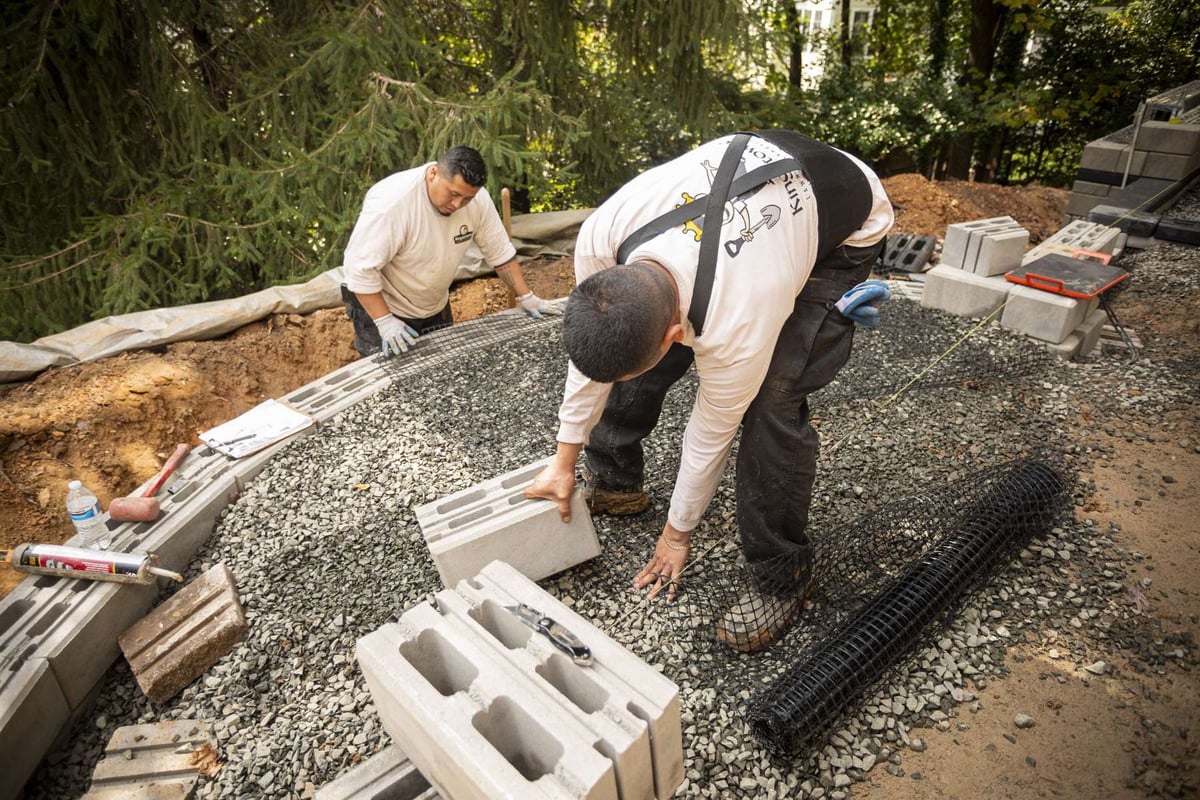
x=76 y=562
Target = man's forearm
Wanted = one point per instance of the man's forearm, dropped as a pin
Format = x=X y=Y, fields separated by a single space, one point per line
x=374 y=304
x=510 y=273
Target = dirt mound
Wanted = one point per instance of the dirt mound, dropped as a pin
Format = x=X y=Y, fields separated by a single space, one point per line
x=112 y=423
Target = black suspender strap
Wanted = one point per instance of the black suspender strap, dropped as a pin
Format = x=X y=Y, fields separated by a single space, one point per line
x=714 y=214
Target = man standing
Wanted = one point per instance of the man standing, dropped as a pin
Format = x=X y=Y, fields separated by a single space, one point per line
x=405 y=248
x=764 y=300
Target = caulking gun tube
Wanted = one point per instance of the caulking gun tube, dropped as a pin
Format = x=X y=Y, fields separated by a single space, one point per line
x=97 y=565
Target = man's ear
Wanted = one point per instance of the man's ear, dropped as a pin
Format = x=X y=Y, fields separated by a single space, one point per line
x=674 y=333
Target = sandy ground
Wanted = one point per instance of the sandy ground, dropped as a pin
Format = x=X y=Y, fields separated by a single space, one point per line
x=1129 y=733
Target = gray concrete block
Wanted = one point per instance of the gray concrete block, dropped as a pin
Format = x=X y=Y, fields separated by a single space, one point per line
x=1135 y=223
x=907 y=252
x=1165 y=137
x=1000 y=250
x=32 y=712
x=331 y=394
x=492 y=520
x=1043 y=315
x=1078 y=205
x=958 y=240
x=155 y=760
x=186 y=635
x=1167 y=166
x=1109 y=156
x=471 y=723
x=1090 y=331
x=387 y=775
x=1088 y=187
x=963 y=293
x=1068 y=348
x=1077 y=235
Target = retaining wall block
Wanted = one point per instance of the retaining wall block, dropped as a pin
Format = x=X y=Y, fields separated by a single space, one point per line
x=387 y=775
x=1044 y=315
x=1167 y=166
x=492 y=520
x=1165 y=137
x=958 y=240
x=32 y=712
x=1100 y=190
x=963 y=293
x=1078 y=205
x=186 y=635
x=1135 y=223
x=475 y=726
x=1174 y=229
x=331 y=394
x=1090 y=331
x=150 y=761
x=1078 y=235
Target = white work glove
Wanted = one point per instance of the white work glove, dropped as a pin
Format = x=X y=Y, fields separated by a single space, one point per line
x=397 y=335
x=536 y=307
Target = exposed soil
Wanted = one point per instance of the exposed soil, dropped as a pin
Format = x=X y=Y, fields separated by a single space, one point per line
x=113 y=422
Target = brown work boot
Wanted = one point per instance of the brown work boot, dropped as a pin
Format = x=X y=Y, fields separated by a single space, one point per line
x=617 y=502
x=758 y=620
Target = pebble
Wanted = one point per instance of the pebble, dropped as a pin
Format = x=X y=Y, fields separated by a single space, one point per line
x=1023 y=721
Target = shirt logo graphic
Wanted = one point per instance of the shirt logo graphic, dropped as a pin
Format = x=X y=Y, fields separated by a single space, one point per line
x=464 y=234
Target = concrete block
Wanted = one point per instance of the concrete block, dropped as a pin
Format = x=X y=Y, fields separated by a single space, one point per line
x=1135 y=223
x=387 y=775
x=958 y=239
x=157 y=760
x=1165 y=137
x=1078 y=235
x=1090 y=330
x=1174 y=229
x=1143 y=194
x=32 y=712
x=73 y=625
x=1103 y=155
x=619 y=685
x=1043 y=315
x=1068 y=348
x=963 y=293
x=1100 y=190
x=1000 y=250
x=185 y=635
x=492 y=520
x=331 y=394
x=908 y=252
x=1078 y=205
x=1167 y=166
x=473 y=724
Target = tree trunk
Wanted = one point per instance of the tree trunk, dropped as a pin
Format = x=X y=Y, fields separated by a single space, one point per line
x=844 y=34
x=795 y=45
x=987 y=17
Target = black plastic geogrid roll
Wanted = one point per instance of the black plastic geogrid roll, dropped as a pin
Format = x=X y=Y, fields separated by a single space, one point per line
x=806 y=698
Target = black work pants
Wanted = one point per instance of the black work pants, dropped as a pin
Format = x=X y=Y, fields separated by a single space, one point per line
x=777 y=458
x=366 y=335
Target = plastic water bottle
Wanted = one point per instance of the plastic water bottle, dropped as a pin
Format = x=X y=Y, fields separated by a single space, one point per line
x=90 y=522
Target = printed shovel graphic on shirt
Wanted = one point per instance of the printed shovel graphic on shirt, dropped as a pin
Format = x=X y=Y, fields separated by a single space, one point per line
x=558 y=635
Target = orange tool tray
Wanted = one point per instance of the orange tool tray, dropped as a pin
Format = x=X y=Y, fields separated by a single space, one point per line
x=1083 y=278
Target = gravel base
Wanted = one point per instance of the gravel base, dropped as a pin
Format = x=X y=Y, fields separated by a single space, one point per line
x=325 y=547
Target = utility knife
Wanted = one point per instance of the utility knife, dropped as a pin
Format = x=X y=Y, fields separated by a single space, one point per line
x=556 y=632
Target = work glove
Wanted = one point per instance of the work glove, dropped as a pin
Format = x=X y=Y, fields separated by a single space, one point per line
x=536 y=307
x=861 y=304
x=397 y=335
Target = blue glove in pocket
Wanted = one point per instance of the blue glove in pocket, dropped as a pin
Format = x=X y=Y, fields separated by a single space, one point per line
x=860 y=304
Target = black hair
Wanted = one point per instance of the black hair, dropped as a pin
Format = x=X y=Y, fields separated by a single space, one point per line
x=616 y=319
x=465 y=161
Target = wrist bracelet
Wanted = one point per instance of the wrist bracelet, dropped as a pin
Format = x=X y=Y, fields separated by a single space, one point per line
x=676 y=547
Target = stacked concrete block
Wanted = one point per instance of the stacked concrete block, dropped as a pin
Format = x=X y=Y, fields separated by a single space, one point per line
x=1044 y=315
x=186 y=635
x=145 y=762
x=985 y=247
x=492 y=520
x=1077 y=235
x=1164 y=145
x=486 y=707
x=963 y=293
x=387 y=775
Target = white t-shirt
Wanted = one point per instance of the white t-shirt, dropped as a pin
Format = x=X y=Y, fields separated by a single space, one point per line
x=768 y=247
x=405 y=248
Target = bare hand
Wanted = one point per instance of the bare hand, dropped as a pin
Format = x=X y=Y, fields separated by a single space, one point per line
x=663 y=569
x=556 y=484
